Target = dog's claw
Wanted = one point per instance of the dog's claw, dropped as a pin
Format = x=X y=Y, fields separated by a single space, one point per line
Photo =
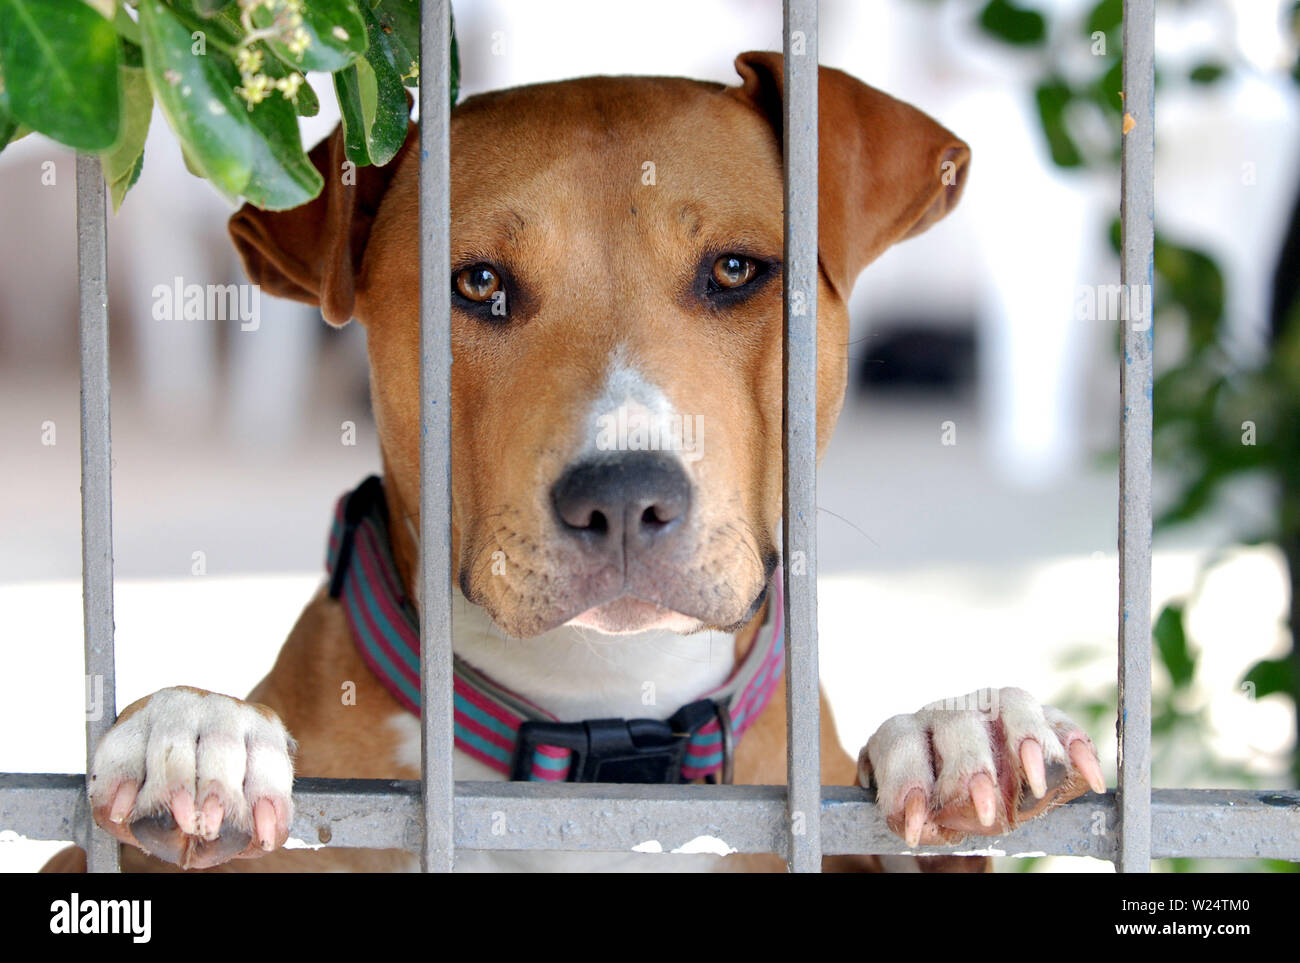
x=264 y=824
x=123 y=801
x=182 y=807
x=915 y=808
x=1031 y=760
x=983 y=794
x=210 y=818
x=1085 y=760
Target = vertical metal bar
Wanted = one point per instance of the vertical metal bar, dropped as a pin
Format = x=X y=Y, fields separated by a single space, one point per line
x=1137 y=224
x=803 y=763
x=96 y=483
x=437 y=781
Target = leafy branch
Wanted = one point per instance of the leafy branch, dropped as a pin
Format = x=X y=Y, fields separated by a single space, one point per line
x=228 y=76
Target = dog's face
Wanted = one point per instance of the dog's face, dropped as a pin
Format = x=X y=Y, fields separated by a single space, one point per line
x=617 y=334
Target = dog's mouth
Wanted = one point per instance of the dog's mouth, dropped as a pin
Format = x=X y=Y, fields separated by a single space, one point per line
x=685 y=593
x=625 y=610
x=628 y=614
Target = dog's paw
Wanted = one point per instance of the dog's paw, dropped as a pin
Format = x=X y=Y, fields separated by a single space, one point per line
x=195 y=778
x=982 y=764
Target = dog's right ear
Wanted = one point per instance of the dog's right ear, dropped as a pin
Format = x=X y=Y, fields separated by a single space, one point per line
x=885 y=170
x=313 y=252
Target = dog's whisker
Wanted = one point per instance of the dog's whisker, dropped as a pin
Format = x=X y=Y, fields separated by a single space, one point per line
x=850 y=524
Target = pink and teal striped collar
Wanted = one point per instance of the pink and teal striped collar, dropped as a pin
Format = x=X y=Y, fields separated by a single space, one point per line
x=488 y=718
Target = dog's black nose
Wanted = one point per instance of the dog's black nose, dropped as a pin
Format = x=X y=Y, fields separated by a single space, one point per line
x=630 y=500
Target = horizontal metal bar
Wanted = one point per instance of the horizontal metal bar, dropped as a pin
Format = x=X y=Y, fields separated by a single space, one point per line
x=384 y=814
x=43 y=806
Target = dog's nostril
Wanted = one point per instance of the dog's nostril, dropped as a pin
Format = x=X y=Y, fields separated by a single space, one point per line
x=598 y=523
x=660 y=514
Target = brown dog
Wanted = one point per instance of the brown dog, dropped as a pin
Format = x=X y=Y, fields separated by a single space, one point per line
x=616 y=251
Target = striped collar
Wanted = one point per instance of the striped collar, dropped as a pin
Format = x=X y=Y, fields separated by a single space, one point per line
x=488 y=717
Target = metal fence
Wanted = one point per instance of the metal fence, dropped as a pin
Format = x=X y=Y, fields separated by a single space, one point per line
x=804 y=820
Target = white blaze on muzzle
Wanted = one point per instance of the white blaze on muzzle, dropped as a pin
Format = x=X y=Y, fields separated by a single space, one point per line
x=631 y=413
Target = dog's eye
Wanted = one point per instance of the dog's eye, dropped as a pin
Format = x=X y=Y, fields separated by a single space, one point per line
x=732 y=271
x=724 y=281
x=477 y=282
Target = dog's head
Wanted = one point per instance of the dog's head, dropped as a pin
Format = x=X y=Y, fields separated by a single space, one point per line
x=616 y=247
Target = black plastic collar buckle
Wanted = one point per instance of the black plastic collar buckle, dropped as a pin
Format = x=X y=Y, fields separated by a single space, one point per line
x=617 y=750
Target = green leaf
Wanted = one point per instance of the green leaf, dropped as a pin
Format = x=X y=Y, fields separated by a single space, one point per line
x=283 y=176
x=209 y=8
x=1193 y=282
x=122 y=165
x=1207 y=73
x=196 y=94
x=399 y=22
x=347 y=89
x=1108 y=88
x=454 y=68
x=335 y=31
x=8 y=128
x=385 y=123
x=192 y=166
x=1170 y=638
x=307 y=103
x=372 y=100
x=1105 y=17
x=1053 y=97
x=126 y=28
x=1271 y=676
x=220 y=28
x=59 y=59
x=8 y=124
x=13 y=135
x=1012 y=24
x=252 y=151
x=132 y=54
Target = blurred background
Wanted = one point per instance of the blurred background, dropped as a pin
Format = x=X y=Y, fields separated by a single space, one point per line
x=968 y=527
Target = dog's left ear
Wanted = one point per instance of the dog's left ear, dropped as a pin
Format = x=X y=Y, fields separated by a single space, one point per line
x=885 y=170
x=313 y=252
